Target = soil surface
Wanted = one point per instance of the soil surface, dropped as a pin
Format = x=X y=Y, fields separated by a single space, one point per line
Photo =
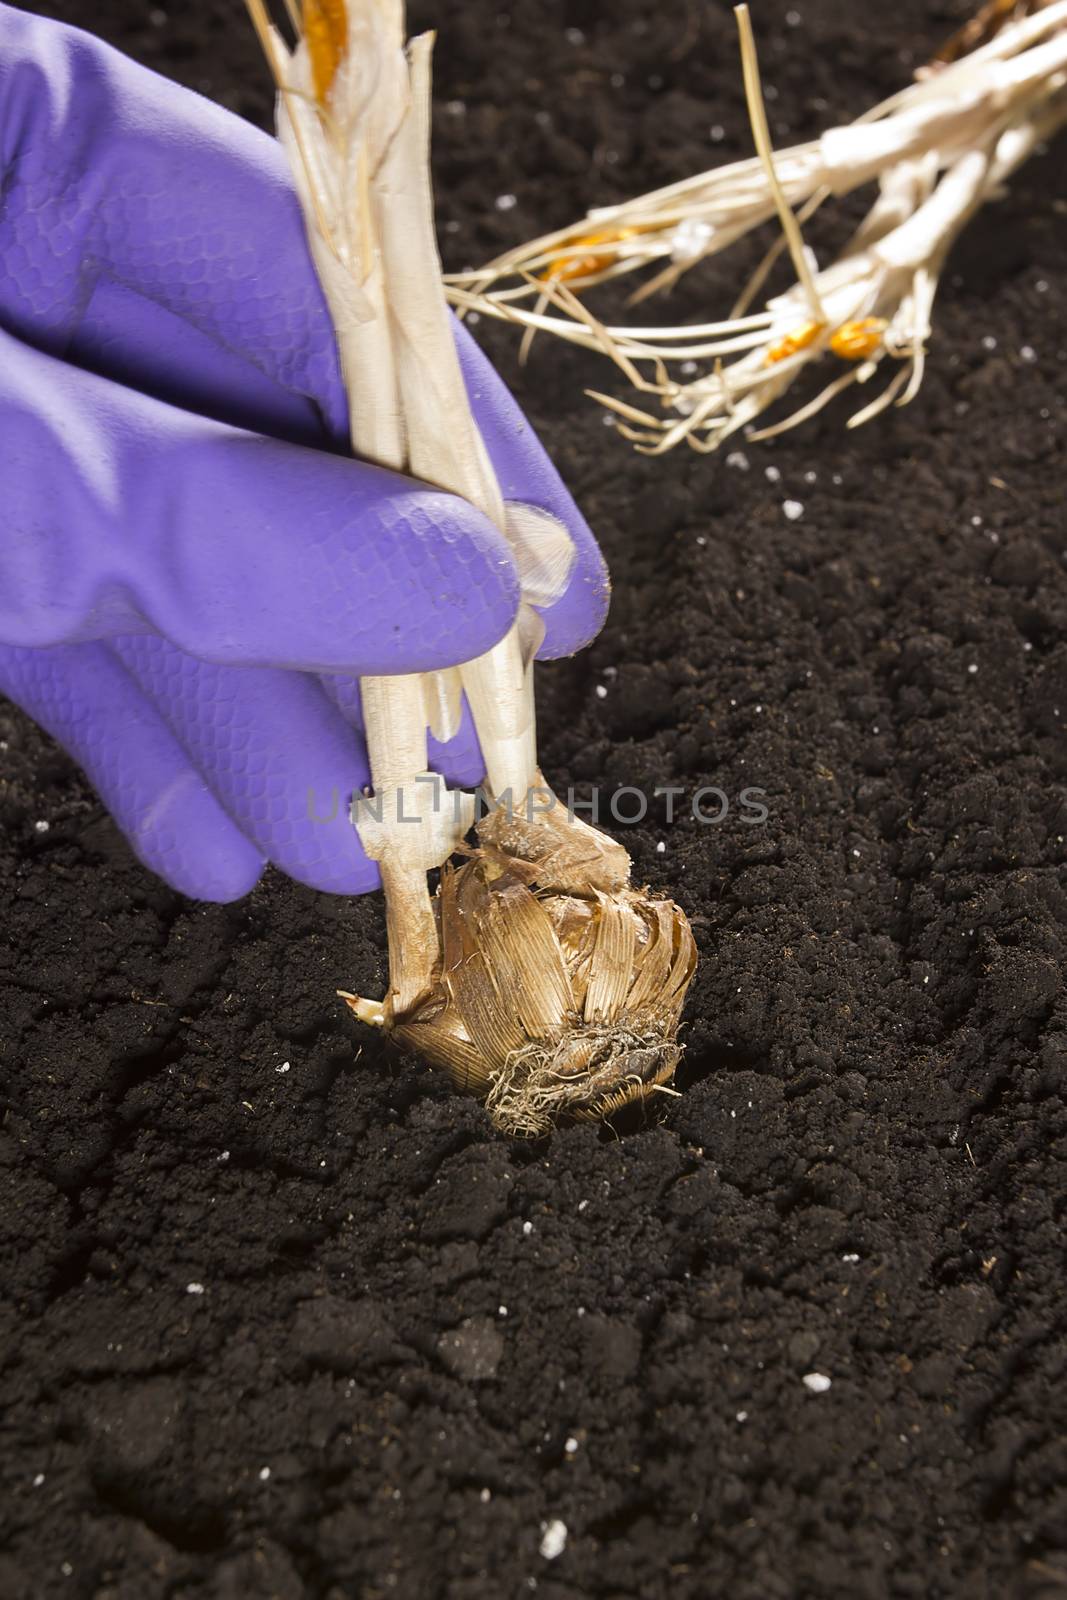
x=283 y=1316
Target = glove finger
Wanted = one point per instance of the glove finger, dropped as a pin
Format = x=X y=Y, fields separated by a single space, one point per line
x=87 y=701
x=279 y=757
x=527 y=477
x=122 y=512
x=155 y=236
x=459 y=760
x=140 y=263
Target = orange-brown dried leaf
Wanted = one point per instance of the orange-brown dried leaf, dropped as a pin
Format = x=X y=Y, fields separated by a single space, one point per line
x=526 y=961
x=326 y=32
x=858 y=340
x=653 y=964
x=575 y=923
x=983 y=26
x=613 y=961
x=793 y=342
x=488 y=1016
x=443 y=1042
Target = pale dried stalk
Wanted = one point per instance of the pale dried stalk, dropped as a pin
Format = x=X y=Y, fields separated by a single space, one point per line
x=539 y=979
x=938 y=151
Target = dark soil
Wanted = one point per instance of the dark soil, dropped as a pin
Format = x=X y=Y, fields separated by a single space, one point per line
x=418 y=1342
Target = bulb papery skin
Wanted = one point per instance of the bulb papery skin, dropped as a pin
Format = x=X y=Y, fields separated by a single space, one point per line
x=551 y=1002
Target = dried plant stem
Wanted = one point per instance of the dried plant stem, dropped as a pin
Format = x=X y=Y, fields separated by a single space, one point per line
x=761 y=137
x=537 y=978
x=937 y=150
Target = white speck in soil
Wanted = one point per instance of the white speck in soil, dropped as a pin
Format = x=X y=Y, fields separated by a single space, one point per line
x=1041 y=286
x=574 y=36
x=285 y=1067
x=456 y=108
x=38 y=1480
x=553 y=1539
x=42 y=826
x=717 y=133
x=264 y=1474
x=194 y=1288
x=742 y=1416
x=793 y=509
x=738 y=459
x=661 y=848
x=570 y=1445
x=1028 y=353
x=972 y=666
x=988 y=342
x=527 y=1229
x=582 y=1204
x=485 y=1495
x=772 y=474
x=223 y=1155
x=601 y=692
x=505 y=202
x=501 y=1311
x=850 y=1256
x=817 y=1382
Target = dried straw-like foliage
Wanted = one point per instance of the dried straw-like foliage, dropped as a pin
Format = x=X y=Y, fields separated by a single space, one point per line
x=538 y=979
x=937 y=151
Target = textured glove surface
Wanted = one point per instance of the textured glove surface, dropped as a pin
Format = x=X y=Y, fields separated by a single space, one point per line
x=186 y=547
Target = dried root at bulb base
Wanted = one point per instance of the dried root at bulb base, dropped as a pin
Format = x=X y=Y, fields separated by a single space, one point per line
x=552 y=1003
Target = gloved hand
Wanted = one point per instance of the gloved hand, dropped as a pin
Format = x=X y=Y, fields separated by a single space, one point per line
x=193 y=573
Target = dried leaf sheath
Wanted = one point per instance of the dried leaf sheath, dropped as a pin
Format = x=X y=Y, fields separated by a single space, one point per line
x=550 y=1004
x=539 y=979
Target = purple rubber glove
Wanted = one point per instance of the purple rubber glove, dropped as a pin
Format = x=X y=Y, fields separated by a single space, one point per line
x=193 y=572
